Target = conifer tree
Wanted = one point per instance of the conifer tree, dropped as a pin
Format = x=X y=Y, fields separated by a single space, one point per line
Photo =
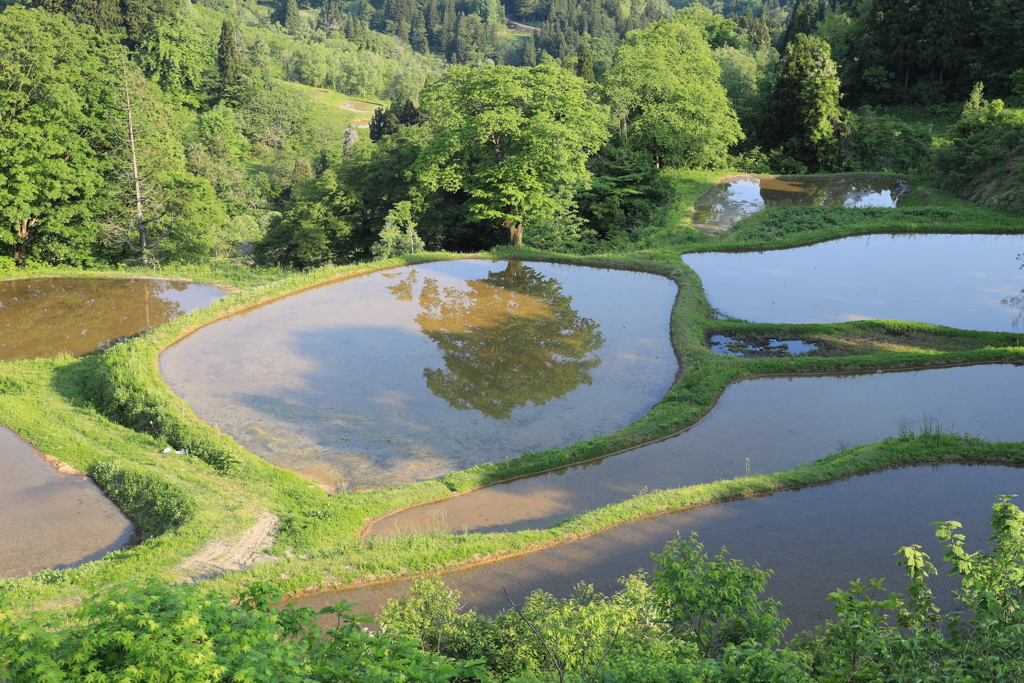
x=585 y=64
x=530 y=51
x=418 y=38
x=292 y=19
x=799 y=22
x=802 y=111
x=448 y=28
x=460 y=55
x=434 y=23
x=230 y=63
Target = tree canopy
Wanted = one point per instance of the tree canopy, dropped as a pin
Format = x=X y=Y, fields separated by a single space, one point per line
x=665 y=91
x=55 y=102
x=514 y=140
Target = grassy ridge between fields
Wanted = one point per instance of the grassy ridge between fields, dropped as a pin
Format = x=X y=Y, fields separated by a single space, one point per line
x=113 y=415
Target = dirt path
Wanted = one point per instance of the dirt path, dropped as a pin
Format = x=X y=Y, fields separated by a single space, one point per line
x=220 y=556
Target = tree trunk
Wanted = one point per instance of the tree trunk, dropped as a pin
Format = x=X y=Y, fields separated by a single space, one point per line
x=25 y=226
x=515 y=233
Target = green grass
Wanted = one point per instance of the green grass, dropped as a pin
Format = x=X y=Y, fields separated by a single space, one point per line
x=336 y=108
x=222 y=273
x=115 y=408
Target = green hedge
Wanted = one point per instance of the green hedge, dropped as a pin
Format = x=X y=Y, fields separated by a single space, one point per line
x=154 y=504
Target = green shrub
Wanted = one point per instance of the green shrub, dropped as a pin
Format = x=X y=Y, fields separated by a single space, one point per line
x=153 y=503
x=897 y=638
x=156 y=633
x=984 y=161
x=886 y=143
x=713 y=603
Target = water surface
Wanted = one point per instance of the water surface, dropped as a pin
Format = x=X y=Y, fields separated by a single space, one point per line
x=817 y=540
x=727 y=202
x=408 y=373
x=762 y=425
x=769 y=348
x=965 y=281
x=43 y=317
x=51 y=520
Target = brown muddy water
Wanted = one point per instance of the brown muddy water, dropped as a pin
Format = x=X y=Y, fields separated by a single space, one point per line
x=43 y=317
x=51 y=520
x=726 y=203
x=972 y=282
x=408 y=373
x=767 y=424
x=816 y=540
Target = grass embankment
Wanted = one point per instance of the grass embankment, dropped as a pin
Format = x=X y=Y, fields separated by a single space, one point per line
x=225 y=274
x=65 y=407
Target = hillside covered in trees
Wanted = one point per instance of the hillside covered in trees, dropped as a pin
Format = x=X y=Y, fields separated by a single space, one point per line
x=207 y=103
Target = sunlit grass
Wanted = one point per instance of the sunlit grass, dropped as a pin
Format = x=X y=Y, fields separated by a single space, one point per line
x=115 y=406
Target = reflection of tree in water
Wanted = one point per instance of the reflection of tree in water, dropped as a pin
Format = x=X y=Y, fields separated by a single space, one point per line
x=832 y=191
x=1016 y=302
x=42 y=317
x=513 y=338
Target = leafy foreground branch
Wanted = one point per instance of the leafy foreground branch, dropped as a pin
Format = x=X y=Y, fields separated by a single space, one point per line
x=696 y=619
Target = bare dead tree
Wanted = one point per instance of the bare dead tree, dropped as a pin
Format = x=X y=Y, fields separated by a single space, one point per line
x=142 y=223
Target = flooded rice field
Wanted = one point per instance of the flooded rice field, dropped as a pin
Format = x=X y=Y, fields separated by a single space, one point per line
x=727 y=202
x=51 y=520
x=759 y=426
x=816 y=539
x=43 y=317
x=972 y=282
x=769 y=348
x=406 y=374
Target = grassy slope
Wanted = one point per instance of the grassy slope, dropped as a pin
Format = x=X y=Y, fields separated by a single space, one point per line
x=336 y=108
x=64 y=406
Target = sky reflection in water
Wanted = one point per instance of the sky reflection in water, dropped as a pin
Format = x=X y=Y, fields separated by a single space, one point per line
x=405 y=374
x=971 y=282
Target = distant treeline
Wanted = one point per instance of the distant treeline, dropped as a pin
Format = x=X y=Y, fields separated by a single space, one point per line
x=152 y=130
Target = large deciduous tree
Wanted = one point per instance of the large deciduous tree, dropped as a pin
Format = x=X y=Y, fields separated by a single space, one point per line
x=665 y=91
x=56 y=96
x=513 y=140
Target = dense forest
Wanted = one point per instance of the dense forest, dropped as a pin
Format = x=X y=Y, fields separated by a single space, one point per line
x=148 y=131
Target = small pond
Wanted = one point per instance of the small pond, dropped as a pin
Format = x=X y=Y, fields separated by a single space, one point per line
x=43 y=317
x=408 y=373
x=730 y=200
x=972 y=282
x=768 y=424
x=816 y=540
x=768 y=348
x=51 y=520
